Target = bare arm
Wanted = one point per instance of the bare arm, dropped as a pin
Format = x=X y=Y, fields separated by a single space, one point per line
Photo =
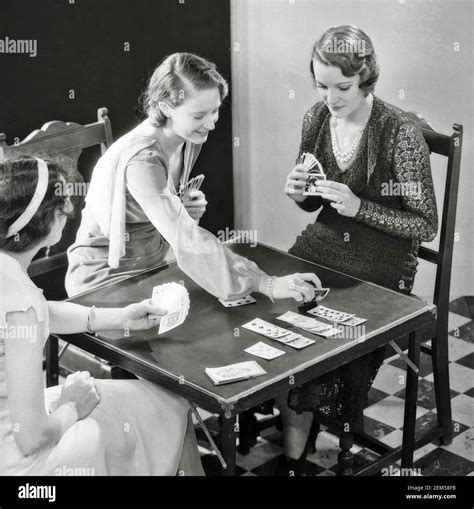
x=32 y=427
x=70 y=318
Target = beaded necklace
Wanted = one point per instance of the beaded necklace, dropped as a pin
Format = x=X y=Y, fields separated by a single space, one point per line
x=343 y=157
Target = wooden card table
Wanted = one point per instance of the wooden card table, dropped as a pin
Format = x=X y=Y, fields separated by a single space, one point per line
x=212 y=336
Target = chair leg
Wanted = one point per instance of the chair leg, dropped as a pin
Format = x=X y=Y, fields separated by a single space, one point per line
x=439 y=352
x=345 y=457
x=52 y=362
x=411 y=400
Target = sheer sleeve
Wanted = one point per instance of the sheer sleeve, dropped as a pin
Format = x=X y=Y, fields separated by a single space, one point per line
x=198 y=253
x=411 y=168
x=308 y=137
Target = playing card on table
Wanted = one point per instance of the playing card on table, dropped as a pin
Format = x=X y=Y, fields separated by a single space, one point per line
x=264 y=351
x=304 y=322
x=265 y=328
x=315 y=329
x=328 y=333
x=239 y=302
x=330 y=314
x=301 y=342
x=286 y=339
x=235 y=372
x=354 y=322
x=296 y=319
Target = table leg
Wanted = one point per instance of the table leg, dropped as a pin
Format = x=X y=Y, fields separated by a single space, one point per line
x=228 y=444
x=52 y=361
x=345 y=457
x=411 y=399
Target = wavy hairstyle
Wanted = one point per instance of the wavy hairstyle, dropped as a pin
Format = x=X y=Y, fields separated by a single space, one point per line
x=349 y=48
x=175 y=78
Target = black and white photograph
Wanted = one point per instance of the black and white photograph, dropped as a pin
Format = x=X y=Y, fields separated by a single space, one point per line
x=236 y=240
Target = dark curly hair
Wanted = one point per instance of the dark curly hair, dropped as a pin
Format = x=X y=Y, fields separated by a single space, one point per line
x=349 y=48
x=18 y=180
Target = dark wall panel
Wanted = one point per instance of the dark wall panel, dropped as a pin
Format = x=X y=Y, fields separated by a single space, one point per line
x=81 y=48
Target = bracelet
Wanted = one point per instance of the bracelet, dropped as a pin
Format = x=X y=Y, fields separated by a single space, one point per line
x=90 y=316
x=271 y=286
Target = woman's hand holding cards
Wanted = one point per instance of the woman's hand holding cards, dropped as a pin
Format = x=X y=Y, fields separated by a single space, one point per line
x=195 y=203
x=296 y=182
x=142 y=315
x=341 y=197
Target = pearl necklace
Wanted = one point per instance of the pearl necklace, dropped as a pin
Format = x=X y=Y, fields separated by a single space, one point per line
x=343 y=157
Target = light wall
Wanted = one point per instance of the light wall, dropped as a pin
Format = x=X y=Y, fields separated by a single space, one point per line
x=271 y=90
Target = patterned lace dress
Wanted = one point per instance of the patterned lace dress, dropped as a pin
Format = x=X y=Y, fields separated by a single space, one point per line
x=391 y=175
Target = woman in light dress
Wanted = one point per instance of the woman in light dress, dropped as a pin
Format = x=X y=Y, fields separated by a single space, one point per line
x=86 y=426
x=133 y=213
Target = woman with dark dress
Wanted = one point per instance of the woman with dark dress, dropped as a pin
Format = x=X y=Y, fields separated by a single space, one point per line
x=368 y=149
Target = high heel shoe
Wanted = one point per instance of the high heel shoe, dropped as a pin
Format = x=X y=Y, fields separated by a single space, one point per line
x=290 y=467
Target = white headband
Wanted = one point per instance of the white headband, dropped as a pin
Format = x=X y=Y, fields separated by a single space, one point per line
x=33 y=206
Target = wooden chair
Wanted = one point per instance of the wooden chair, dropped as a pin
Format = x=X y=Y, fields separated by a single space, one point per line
x=449 y=146
x=65 y=141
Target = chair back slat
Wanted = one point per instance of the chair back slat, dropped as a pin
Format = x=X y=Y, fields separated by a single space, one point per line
x=68 y=138
x=57 y=138
x=437 y=142
x=430 y=255
x=446 y=243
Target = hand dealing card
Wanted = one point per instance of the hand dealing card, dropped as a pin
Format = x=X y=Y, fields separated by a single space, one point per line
x=239 y=302
x=264 y=351
x=319 y=295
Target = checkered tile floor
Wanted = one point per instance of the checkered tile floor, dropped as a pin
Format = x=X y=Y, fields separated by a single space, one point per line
x=384 y=416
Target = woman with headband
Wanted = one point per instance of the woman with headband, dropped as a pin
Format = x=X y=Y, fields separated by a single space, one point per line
x=86 y=426
x=133 y=213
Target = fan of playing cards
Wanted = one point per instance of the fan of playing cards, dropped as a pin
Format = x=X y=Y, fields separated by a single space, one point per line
x=174 y=298
x=315 y=173
x=191 y=185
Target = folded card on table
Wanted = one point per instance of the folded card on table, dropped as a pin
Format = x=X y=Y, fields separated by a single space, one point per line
x=235 y=372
